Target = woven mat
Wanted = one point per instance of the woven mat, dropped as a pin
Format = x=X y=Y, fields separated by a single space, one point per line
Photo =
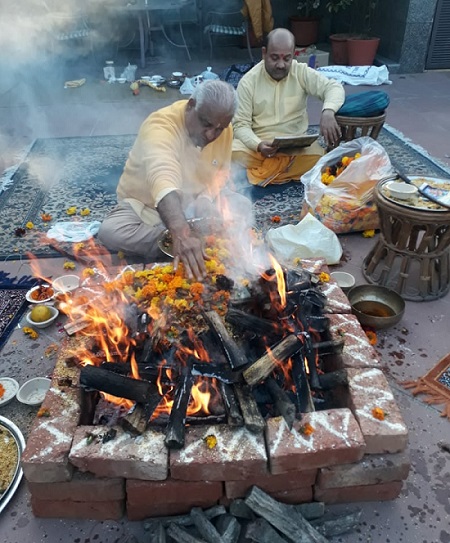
x=83 y=172
x=435 y=386
x=13 y=302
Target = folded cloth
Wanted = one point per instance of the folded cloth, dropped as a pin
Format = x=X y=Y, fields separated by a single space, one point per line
x=365 y=104
x=357 y=75
x=73 y=231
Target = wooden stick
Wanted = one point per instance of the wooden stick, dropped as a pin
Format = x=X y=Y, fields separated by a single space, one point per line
x=176 y=427
x=234 y=416
x=283 y=517
x=264 y=366
x=99 y=378
x=282 y=402
x=206 y=529
x=235 y=356
x=76 y=326
x=305 y=402
x=259 y=326
x=333 y=379
x=250 y=411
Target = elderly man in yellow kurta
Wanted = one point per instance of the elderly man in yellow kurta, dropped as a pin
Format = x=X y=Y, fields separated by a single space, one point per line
x=272 y=103
x=177 y=169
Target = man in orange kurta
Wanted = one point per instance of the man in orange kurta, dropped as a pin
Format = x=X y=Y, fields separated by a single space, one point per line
x=260 y=14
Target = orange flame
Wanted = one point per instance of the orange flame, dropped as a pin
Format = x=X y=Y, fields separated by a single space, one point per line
x=281 y=284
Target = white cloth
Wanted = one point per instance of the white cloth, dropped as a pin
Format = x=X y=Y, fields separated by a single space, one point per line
x=357 y=75
x=73 y=232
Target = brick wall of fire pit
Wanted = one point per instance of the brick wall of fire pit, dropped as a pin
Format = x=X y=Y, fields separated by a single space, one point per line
x=350 y=456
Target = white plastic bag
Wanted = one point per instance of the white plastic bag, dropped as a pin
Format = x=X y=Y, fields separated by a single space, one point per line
x=187 y=87
x=307 y=239
x=73 y=232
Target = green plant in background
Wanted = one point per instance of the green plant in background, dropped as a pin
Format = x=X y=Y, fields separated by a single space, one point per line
x=362 y=14
x=307 y=7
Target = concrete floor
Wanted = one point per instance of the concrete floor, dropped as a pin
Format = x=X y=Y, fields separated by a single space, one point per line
x=38 y=106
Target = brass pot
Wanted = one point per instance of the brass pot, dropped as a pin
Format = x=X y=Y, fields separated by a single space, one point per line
x=376 y=306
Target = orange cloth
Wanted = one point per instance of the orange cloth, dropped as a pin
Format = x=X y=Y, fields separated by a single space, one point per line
x=260 y=14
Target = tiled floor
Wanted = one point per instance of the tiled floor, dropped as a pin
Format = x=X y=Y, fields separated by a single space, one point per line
x=420 y=109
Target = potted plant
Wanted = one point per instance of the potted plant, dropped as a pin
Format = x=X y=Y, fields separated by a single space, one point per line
x=357 y=47
x=305 y=25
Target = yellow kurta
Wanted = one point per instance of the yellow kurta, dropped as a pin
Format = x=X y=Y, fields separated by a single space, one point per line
x=163 y=158
x=260 y=14
x=269 y=108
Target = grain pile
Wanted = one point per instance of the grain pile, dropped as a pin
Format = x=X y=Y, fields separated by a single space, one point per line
x=9 y=457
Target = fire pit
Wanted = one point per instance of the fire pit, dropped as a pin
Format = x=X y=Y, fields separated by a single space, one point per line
x=272 y=382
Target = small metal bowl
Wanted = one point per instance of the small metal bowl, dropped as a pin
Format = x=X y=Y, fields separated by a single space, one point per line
x=376 y=306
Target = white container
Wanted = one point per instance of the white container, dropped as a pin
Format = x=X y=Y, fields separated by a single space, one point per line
x=109 y=71
x=10 y=386
x=66 y=283
x=33 y=391
x=400 y=190
x=344 y=280
x=29 y=295
x=54 y=315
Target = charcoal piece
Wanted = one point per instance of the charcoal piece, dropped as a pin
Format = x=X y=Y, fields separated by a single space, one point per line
x=244 y=321
x=186 y=520
x=155 y=532
x=260 y=531
x=240 y=509
x=176 y=430
x=228 y=528
x=302 y=391
x=205 y=528
x=283 y=404
x=333 y=379
x=283 y=517
x=231 y=404
x=252 y=417
x=331 y=525
x=180 y=535
x=223 y=282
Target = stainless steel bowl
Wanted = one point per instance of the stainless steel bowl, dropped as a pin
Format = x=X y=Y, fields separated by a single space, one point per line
x=376 y=306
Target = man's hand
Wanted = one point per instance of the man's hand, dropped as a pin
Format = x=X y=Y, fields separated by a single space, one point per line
x=329 y=128
x=186 y=247
x=267 y=149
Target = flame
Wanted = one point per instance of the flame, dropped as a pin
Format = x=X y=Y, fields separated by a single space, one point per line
x=121 y=402
x=281 y=284
x=200 y=398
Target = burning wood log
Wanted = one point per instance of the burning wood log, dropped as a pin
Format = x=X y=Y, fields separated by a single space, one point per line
x=283 y=517
x=253 y=419
x=305 y=403
x=75 y=326
x=333 y=379
x=329 y=347
x=176 y=427
x=99 y=378
x=283 y=404
x=88 y=401
x=215 y=371
x=259 y=326
x=234 y=416
x=264 y=366
x=205 y=528
x=236 y=358
x=137 y=419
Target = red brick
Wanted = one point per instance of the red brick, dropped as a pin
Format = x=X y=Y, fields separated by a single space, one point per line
x=239 y=454
x=372 y=469
x=82 y=486
x=315 y=265
x=336 y=439
x=357 y=352
x=292 y=480
x=107 y=510
x=294 y=496
x=171 y=491
x=336 y=300
x=147 y=510
x=369 y=388
x=46 y=455
x=349 y=494
x=143 y=457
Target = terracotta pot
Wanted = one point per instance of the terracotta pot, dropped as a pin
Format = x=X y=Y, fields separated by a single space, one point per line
x=361 y=52
x=339 y=51
x=305 y=30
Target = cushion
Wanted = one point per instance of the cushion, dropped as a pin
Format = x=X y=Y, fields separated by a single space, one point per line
x=365 y=104
x=234 y=73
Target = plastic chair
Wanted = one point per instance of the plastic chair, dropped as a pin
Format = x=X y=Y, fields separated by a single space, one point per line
x=227 y=23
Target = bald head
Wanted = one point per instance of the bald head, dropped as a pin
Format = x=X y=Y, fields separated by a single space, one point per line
x=278 y=53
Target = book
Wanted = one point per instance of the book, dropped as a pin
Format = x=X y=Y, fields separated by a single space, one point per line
x=288 y=142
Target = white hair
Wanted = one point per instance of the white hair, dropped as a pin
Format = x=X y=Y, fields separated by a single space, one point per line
x=217 y=93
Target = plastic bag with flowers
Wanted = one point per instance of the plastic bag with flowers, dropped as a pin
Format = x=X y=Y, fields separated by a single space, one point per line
x=339 y=188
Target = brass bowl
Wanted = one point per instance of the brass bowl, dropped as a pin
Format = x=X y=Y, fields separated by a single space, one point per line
x=376 y=306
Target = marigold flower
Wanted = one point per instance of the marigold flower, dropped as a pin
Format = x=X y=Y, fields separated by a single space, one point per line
x=71 y=210
x=88 y=272
x=324 y=277
x=78 y=246
x=2 y=391
x=378 y=413
x=307 y=429
x=371 y=336
x=29 y=225
x=297 y=261
x=211 y=441
x=120 y=255
x=30 y=332
x=43 y=412
x=69 y=265
x=276 y=219
x=46 y=217
x=368 y=233
x=84 y=212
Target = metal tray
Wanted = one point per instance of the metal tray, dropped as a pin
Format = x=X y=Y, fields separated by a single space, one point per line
x=417 y=202
x=20 y=442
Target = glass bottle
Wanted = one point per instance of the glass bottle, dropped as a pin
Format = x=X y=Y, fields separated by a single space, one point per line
x=109 y=70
